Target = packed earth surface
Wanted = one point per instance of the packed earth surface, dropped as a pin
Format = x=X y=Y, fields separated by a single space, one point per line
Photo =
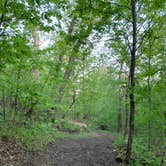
x=96 y=150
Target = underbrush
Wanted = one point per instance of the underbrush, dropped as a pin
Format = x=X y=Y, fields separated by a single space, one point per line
x=34 y=136
x=37 y=135
x=141 y=156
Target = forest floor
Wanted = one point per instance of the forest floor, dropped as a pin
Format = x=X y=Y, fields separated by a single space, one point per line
x=94 y=150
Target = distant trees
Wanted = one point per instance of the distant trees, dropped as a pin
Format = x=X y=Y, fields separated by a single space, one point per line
x=76 y=80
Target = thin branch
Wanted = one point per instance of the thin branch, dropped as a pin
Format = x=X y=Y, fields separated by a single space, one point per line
x=3 y=12
x=128 y=43
x=144 y=35
x=117 y=4
x=107 y=40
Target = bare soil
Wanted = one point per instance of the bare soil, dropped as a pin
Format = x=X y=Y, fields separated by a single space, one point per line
x=95 y=150
x=92 y=151
x=10 y=153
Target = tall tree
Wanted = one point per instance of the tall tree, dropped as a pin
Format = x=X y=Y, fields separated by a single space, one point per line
x=120 y=100
x=132 y=80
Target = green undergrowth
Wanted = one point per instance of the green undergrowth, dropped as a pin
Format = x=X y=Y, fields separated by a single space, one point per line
x=141 y=156
x=38 y=135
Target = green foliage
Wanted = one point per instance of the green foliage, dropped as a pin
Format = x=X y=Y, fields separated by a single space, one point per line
x=140 y=153
x=36 y=135
x=95 y=106
x=32 y=136
x=73 y=82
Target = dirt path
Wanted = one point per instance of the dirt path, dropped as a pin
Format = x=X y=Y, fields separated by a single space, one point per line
x=93 y=151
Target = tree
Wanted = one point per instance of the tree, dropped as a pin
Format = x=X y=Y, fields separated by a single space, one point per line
x=132 y=80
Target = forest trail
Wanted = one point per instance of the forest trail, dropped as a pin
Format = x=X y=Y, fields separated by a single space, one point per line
x=96 y=150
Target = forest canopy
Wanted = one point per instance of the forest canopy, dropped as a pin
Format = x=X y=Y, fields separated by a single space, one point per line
x=101 y=62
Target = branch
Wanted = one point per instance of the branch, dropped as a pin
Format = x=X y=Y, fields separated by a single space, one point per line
x=3 y=12
x=117 y=4
x=128 y=42
x=144 y=35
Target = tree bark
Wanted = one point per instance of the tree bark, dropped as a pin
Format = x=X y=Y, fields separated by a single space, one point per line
x=3 y=105
x=120 y=101
x=3 y=14
x=36 y=44
x=69 y=69
x=17 y=90
x=126 y=108
x=149 y=93
x=132 y=82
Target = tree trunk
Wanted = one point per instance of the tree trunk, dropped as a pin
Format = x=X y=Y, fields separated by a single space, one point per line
x=120 y=101
x=17 y=91
x=65 y=78
x=36 y=44
x=126 y=108
x=69 y=69
x=132 y=82
x=3 y=105
x=149 y=93
x=3 y=14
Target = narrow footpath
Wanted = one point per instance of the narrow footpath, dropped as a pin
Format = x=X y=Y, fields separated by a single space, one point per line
x=91 y=151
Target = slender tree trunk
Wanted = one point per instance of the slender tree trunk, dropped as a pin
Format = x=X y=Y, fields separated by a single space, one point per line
x=73 y=99
x=35 y=35
x=3 y=14
x=10 y=101
x=162 y=107
x=69 y=68
x=65 y=78
x=3 y=105
x=126 y=108
x=36 y=44
x=162 y=158
x=120 y=101
x=149 y=93
x=17 y=91
x=132 y=82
